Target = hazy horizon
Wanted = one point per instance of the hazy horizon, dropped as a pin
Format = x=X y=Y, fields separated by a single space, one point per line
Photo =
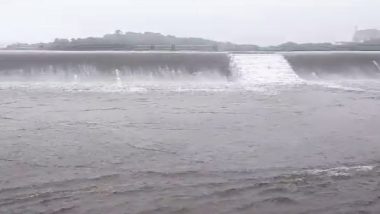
x=267 y=22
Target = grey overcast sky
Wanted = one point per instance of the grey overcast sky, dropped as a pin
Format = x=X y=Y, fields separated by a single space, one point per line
x=262 y=22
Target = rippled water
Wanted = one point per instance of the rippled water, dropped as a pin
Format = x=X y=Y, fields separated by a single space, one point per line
x=249 y=144
x=303 y=149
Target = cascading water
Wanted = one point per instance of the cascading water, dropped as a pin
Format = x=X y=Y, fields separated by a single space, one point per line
x=263 y=69
x=101 y=66
x=193 y=71
x=376 y=64
x=118 y=79
x=335 y=65
x=76 y=78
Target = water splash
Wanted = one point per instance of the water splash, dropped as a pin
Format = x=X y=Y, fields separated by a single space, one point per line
x=376 y=64
x=118 y=79
x=263 y=69
x=76 y=78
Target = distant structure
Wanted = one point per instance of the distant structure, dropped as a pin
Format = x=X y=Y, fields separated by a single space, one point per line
x=366 y=35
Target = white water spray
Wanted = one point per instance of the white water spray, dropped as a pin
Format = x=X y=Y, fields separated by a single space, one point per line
x=118 y=79
x=76 y=78
x=263 y=69
x=376 y=64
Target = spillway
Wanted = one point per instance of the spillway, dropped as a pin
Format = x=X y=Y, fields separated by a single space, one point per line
x=346 y=65
x=225 y=69
x=262 y=69
x=66 y=66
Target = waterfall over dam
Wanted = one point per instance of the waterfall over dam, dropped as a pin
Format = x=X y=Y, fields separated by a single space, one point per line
x=189 y=132
x=102 y=65
x=190 y=66
x=335 y=64
x=262 y=69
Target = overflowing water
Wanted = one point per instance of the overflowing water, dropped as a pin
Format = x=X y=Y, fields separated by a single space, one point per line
x=376 y=64
x=263 y=69
x=242 y=72
x=121 y=132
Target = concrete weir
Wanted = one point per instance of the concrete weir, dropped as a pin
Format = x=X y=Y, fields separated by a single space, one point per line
x=103 y=65
x=335 y=64
x=98 y=64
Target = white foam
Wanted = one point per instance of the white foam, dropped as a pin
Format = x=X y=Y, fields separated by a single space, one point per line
x=341 y=171
x=335 y=85
x=361 y=85
x=251 y=72
x=118 y=79
x=263 y=69
x=376 y=64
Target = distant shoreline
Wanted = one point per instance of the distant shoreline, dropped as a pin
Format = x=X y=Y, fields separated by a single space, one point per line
x=148 y=41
